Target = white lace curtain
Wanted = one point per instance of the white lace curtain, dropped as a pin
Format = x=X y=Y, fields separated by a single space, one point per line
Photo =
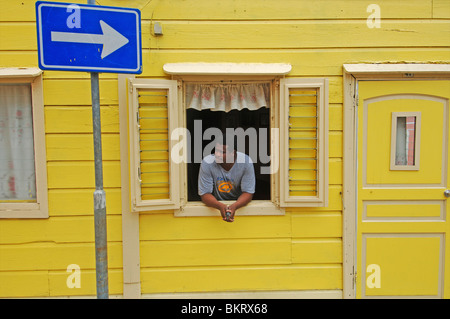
x=227 y=96
x=17 y=172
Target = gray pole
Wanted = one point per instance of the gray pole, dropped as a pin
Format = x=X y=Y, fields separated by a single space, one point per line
x=101 y=254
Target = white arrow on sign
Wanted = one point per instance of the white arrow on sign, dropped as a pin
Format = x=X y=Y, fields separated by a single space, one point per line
x=111 y=39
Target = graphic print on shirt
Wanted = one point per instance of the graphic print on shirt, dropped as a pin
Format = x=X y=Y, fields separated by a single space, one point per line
x=224 y=186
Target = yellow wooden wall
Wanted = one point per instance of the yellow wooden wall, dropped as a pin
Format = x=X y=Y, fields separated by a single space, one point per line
x=299 y=251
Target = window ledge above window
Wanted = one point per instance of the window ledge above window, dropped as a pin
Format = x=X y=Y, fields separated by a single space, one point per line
x=227 y=68
x=256 y=207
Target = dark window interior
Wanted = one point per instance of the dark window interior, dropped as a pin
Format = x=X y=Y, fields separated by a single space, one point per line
x=244 y=118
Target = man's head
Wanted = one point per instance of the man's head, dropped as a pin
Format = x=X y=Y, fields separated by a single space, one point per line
x=225 y=149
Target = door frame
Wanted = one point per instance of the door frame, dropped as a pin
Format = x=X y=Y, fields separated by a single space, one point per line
x=352 y=73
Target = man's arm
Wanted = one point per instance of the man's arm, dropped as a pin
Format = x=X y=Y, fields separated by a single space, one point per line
x=206 y=186
x=209 y=200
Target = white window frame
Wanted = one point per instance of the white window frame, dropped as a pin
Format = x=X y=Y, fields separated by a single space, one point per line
x=255 y=207
x=192 y=72
x=38 y=209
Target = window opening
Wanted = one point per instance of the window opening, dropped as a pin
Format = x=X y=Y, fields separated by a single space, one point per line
x=17 y=159
x=257 y=121
x=405 y=140
x=244 y=108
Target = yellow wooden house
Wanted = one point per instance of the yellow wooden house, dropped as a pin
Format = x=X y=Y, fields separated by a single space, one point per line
x=354 y=118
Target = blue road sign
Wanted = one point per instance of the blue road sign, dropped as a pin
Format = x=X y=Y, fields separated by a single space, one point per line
x=78 y=37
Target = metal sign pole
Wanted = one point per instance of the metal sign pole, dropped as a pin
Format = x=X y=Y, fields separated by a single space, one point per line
x=101 y=254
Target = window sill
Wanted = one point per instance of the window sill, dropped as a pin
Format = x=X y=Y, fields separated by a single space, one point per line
x=254 y=208
x=22 y=210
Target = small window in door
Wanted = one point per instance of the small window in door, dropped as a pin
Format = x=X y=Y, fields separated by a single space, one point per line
x=405 y=140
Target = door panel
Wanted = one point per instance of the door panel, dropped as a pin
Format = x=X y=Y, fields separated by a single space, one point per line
x=408 y=255
x=402 y=226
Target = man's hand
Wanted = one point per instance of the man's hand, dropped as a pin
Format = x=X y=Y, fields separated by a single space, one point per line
x=224 y=211
x=211 y=201
x=243 y=200
x=230 y=211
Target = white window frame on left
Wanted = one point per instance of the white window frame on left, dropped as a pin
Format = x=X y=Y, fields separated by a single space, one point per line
x=38 y=208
